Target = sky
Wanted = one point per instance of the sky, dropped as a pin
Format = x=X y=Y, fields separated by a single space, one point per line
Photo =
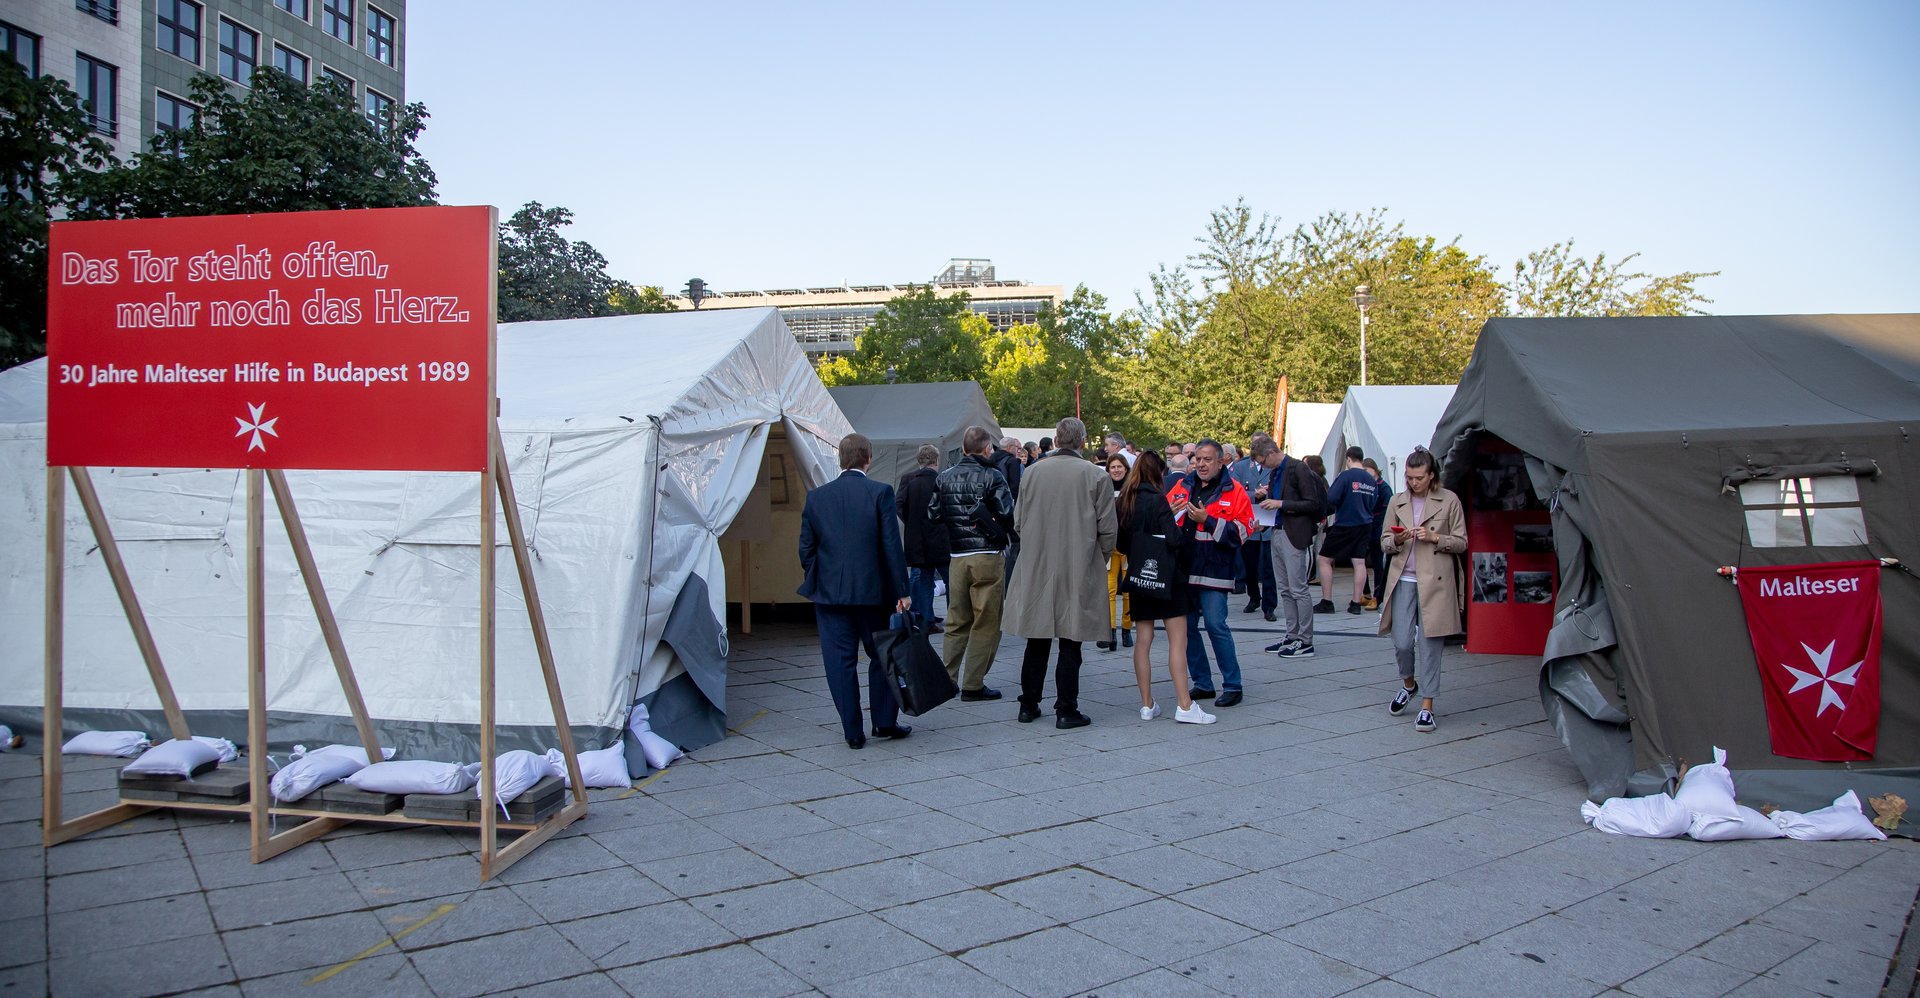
x=783 y=145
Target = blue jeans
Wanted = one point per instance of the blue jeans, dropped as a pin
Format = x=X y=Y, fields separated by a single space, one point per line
x=920 y=589
x=1208 y=608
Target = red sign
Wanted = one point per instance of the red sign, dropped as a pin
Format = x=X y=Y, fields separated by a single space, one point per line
x=1816 y=638
x=327 y=339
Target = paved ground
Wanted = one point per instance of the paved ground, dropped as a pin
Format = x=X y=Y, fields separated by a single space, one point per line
x=1308 y=844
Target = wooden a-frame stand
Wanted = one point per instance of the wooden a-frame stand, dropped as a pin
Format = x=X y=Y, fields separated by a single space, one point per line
x=495 y=481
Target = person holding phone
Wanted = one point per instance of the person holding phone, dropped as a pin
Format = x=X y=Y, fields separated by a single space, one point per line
x=1425 y=527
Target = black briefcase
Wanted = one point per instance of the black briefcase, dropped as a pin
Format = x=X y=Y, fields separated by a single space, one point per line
x=920 y=680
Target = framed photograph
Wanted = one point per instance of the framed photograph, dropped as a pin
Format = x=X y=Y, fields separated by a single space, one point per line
x=1533 y=587
x=1489 y=577
x=1532 y=538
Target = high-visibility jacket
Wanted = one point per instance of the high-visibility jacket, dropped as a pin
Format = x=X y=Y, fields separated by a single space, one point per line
x=1215 y=547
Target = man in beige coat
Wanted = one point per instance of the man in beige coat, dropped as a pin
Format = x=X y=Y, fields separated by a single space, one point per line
x=1066 y=525
x=1425 y=526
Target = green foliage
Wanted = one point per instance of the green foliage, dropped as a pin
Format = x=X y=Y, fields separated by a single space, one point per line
x=1554 y=282
x=919 y=336
x=277 y=146
x=45 y=144
x=543 y=275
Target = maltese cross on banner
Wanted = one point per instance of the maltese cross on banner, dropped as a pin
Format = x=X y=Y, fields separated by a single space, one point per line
x=256 y=426
x=1816 y=640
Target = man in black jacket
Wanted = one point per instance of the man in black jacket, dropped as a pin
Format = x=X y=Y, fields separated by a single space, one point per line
x=972 y=501
x=926 y=541
x=1301 y=497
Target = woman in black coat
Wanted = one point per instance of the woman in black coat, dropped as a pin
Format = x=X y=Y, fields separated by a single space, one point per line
x=1145 y=521
x=923 y=537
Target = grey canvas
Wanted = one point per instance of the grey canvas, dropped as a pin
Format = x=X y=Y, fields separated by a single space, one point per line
x=899 y=418
x=1637 y=431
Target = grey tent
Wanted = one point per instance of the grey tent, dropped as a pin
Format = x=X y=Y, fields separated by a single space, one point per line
x=1638 y=433
x=899 y=418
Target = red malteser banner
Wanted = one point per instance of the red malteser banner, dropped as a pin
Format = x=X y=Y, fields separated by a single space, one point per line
x=327 y=339
x=1816 y=638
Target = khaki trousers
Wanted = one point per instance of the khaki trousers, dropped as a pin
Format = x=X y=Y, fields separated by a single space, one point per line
x=976 y=586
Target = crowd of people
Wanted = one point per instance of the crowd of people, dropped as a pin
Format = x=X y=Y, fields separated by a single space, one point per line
x=1060 y=546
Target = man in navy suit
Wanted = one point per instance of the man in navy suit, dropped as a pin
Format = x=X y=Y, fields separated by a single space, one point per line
x=855 y=570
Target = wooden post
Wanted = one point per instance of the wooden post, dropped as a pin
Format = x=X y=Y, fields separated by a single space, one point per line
x=488 y=819
x=746 y=587
x=129 y=602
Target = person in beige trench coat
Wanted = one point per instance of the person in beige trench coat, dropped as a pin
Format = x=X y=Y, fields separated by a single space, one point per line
x=1058 y=592
x=1422 y=604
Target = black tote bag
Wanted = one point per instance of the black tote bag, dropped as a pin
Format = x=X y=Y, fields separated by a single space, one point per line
x=1150 y=566
x=920 y=680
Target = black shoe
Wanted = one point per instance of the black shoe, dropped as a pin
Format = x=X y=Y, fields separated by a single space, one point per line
x=1126 y=639
x=1401 y=699
x=1028 y=714
x=1353 y=607
x=1297 y=651
x=897 y=731
x=1239 y=587
x=1250 y=607
x=1324 y=606
x=1202 y=694
x=935 y=629
x=1112 y=642
x=983 y=693
x=857 y=743
x=1270 y=617
x=1072 y=719
x=1227 y=698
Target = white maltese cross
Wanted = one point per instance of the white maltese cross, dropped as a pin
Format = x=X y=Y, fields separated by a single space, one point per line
x=256 y=427
x=1823 y=661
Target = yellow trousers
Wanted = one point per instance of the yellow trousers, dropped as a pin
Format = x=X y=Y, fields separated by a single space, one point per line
x=1117 y=570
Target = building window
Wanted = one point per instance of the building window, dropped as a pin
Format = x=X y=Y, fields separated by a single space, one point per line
x=290 y=62
x=24 y=46
x=297 y=8
x=330 y=75
x=179 y=29
x=336 y=18
x=170 y=113
x=105 y=10
x=239 y=52
x=1804 y=512
x=380 y=110
x=381 y=30
x=98 y=85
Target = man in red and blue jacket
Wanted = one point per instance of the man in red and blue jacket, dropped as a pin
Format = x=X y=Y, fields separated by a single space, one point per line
x=1216 y=514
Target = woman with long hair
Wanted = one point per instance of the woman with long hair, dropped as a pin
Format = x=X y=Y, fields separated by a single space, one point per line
x=1146 y=520
x=1119 y=621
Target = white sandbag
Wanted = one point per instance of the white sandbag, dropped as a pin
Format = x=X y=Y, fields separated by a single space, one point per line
x=1707 y=790
x=309 y=771
x=1842 y=819
x=660 y=753
x=413 y=776
x=118 y=743
x=515 y=772
x=9 y=740
x=1746 y=823
x=228 y=751
x=600 y=768
x=1655 y=817
x=174 y=758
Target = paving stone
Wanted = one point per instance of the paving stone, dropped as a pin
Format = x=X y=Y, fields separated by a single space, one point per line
x=396 y=845
x=771 y=908
x=1054 y=963
x=1163 y=930
x=767 y=824
x=1071 y=894
x=98 y=888
x=416 y=881
x=23 y=941
x=91 y=930
x=1687 y=976
x=1374 y=941
x=193 y=962
x=829 y=850
x=265 y=903
x=956 y=922
x=843 y=950
x=237 y=869
x=949 y=791
x=603 y=891
x=594 y=985
x=993 y=861
x=1599 y=955
x=1493 y=970
x=939 y=977
x=385 y=974
x=664 y=840
x=889 y=882
x=1084 y=841
x=1265 y=965
x=561 y=858
x=746 y=973
x=813 y=785
x=23 y=862
x=711 y=872
x=1636 y=913
x=81 y=855
x=1753 y=947
x=922 y=832
x=1250 y=848
x=495 y=963
x=485 y=912
x=1261 y=901
x=720 y=798
x=301 y=943
x=1156 y=983
x=1435 y=903
x=863 y=808
x=1832 y=969
x=1351 y=878
x=641 y=934
x=1165 y=869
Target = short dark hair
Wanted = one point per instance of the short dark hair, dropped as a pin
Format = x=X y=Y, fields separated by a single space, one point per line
x=1263 y=445
x=1313 y=461
x=1046 y=443
x=856 y=451
x=927 y=456
x=1208 y=442
x=1356 y=454
x=977 y=440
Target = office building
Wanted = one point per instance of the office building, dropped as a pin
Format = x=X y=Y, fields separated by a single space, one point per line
x=131 y=61
x=827 y=320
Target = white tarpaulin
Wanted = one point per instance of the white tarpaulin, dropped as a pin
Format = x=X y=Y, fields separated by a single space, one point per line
x=1388 y=422
x=633 y=441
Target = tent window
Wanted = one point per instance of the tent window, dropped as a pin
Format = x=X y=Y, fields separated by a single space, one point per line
x=778 y=481
x=1804 y=512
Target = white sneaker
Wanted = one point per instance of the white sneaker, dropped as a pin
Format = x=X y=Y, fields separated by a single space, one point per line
x=1193 y=715
x=1149 y=713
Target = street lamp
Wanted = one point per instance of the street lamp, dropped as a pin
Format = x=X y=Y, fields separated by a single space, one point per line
x=1362 y=299
x=697 y=291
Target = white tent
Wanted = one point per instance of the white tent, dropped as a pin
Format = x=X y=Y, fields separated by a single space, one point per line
x=1387 y=422
x=1307 y=426
x=634 y=442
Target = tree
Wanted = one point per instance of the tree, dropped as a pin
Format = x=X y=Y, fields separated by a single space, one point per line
x=278 y=146
x=45 y=144
x=543 y=275
x=1554 y=282
x=919 y=336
